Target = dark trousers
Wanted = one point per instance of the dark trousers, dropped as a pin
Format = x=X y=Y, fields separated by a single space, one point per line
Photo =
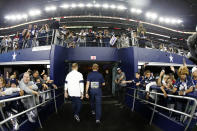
x=76 y=105
x=180 y=106
x=121 y=94
x=95 y=101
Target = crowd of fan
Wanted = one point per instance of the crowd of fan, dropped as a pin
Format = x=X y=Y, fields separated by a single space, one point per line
x=34 y=36
x=28 y=83
x=182 y=82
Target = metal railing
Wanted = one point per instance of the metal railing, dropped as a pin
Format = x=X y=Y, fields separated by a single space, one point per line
x=190 y=115
x=30 y=109
x=71 y=41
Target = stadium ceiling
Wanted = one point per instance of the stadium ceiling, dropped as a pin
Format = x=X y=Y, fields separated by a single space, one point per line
x=184 y=9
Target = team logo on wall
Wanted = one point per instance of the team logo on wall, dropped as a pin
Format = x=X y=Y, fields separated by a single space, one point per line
x=14 y=56
x=171 y=58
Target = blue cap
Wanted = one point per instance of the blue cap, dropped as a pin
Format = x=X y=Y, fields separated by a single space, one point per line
x=13 y=81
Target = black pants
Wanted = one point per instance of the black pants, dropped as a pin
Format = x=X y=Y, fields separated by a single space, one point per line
x=76 y=105
x=121 y=94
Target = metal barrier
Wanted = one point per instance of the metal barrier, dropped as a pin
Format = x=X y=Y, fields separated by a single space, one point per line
x=30 y=109
x=163 y=107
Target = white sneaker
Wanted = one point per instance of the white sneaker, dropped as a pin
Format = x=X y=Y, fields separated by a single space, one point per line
x=98 y=122
x=15 y=125
x=76 y=117
x=30 y=117
x=93 y=112
x=33 y=114
x=14 y=122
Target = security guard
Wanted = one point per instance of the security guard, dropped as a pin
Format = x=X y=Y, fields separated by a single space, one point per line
x=74 y=87
x=95 y=81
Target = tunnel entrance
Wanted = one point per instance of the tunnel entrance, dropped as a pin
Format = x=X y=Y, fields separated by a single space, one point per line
x=107 y=69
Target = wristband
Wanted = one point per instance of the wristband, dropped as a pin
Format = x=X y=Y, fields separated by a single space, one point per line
x=184 y=93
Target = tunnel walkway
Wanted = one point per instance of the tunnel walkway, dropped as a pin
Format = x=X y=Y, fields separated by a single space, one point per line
x=113 y=119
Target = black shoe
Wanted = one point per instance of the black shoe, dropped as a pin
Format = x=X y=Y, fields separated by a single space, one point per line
x=121 y=107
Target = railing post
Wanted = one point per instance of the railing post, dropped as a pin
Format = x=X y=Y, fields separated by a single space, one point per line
x=34 y=98
x=192 y=114
x=153 y=113
x=134 y=95
x=54 y=98
x=1 y=128
x=186 y=109
x=3 y=116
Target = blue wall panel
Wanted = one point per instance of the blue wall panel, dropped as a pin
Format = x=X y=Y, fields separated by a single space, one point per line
x=25 y=55
x=153 y=55
x=58 y=65
x=128 y=63
x=85 y=53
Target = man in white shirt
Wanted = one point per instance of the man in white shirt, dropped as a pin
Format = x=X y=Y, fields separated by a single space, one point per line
x=74 y=87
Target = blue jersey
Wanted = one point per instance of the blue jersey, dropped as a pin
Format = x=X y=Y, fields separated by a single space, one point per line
x=194 y=81
x=96 y=79
x=183 y=86
x=136 y=80
x=148 y=80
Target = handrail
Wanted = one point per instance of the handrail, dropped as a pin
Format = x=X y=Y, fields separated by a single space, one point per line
x=21 y=97
x=166 y=108
x=175 y=96
x=30 y=109
x=21 y=113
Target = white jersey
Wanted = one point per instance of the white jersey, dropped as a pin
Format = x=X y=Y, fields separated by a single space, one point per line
x=74 y=84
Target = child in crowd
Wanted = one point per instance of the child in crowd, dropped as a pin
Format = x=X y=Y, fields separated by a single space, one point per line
x=183 y=86
x=149 y=80
x=12 y=107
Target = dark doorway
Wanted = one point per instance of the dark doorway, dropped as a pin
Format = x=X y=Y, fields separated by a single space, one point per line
x=86 y=67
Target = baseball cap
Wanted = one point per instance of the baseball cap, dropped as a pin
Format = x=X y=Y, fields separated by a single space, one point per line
x=13 y=81
x=194 y=69
x=118 y=69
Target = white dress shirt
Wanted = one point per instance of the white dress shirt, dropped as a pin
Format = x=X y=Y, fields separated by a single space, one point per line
x=74 y=84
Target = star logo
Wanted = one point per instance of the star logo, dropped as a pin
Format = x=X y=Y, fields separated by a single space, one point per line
x=171 y=58
x=14 y=56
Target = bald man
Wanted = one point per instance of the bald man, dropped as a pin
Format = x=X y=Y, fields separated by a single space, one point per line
x=31 y=89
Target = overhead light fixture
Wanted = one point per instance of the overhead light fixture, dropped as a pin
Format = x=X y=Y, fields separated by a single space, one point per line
x=19 y=17
x=105 y=6
x=16 y=17
x=13 y=17
x=179 y=21
x=151 y=15
x=121 y=7
x=25 y=16
x=73 y=5
x=167 y=20
x=136 y=11
x=7 y=17
x=173 y=21
x=50 y=8
x=112 y=6
x=97 y=5
x=34 y=12
x=81 y=5
x=161 y=19
x=89 y=5
x=65 y=6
